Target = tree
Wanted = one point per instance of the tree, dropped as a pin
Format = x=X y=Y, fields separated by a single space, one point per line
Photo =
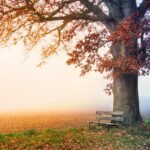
x=82 y=28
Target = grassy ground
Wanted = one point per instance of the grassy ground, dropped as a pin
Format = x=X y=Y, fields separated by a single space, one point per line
x=130 y=138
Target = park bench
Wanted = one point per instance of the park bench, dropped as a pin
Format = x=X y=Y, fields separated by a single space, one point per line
x=108 y=119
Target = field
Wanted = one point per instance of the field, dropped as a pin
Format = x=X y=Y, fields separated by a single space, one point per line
x=21 y=122
x=68 y=132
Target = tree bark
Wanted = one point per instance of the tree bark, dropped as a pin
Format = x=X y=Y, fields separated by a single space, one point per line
x=125 y=86
x=126 y=97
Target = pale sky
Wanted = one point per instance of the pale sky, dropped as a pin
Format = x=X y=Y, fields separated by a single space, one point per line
x=54 y=87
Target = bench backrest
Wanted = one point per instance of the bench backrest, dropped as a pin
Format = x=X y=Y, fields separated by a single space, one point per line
x=105 y=116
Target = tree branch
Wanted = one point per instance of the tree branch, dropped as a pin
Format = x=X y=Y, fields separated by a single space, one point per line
x=97 y=11
x=143 y=8
x=75 y=16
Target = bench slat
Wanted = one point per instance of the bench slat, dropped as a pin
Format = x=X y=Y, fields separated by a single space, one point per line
x=117 y=119
x=103 y=117
x=103 y=112
x=120 y=119
x=118 y=113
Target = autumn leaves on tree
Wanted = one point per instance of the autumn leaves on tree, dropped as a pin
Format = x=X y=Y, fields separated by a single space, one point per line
x=83 y=28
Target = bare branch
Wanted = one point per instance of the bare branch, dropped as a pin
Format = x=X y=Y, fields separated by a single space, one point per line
x=143 y=8
x=97 y=11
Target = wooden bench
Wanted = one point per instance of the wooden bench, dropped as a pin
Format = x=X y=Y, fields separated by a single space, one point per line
x=108 y=119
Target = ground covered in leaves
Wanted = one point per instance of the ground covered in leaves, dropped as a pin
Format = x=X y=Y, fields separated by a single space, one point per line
x=10 y=123
x=128 y=138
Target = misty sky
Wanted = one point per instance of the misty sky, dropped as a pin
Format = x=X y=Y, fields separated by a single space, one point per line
x=54 y=87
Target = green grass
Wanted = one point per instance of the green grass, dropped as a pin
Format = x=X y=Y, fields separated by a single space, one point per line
x=147 y=122
x=30 y=132
x=129 y=138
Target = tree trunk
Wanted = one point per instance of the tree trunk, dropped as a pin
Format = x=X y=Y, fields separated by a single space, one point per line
x=125 y=86
x=126 y=97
